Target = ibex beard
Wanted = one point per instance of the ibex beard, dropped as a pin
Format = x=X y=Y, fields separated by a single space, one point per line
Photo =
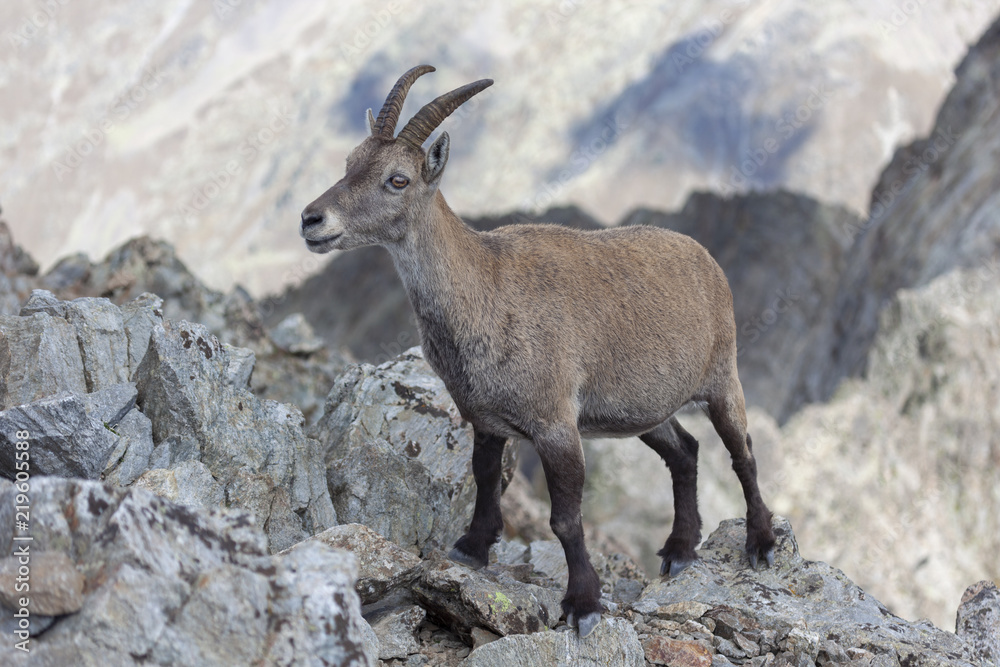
x=548 y=333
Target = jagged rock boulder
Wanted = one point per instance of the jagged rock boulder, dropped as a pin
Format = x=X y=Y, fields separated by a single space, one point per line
x=796 y=608
x=67 y=435
x=166 y=585
x=978 y=620
x=398 y=454
x=613 y=643
x=18 y=273
x=396 y=630
x=188 y=427
x=383 y=567
x=254 y=449
x=933 y=210
x=299 y=370
x=463 y=599
x=913 y=513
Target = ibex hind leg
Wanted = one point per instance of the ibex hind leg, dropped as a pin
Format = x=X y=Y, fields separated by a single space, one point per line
x=679 y=450
x=728 y=415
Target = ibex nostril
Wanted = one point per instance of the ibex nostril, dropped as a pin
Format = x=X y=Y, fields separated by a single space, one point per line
x=310 y=218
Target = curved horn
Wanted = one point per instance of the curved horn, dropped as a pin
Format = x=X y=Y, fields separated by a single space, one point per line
x=385 y=125
x=433 y=114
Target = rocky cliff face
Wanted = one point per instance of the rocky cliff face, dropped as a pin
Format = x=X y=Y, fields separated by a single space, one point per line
x=933 y=210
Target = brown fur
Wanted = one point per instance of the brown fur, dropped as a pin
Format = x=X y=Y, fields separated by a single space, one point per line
x=550 y=333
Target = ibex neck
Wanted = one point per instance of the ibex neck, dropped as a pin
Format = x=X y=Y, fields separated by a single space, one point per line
x=441 y=263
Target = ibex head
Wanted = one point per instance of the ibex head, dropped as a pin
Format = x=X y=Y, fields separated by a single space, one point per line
x=389 y=179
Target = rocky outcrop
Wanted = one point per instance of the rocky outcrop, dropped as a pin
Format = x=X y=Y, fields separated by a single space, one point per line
x=932 y=210
x=795 y=609
x=189 y=574
x=18 y=272
x=123 y=395
x=978 y=620
x=291 y=363
x=142 y=580
x=397 y=422
x=913 y=449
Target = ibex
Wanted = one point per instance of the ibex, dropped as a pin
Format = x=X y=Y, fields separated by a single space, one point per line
x=548 y=333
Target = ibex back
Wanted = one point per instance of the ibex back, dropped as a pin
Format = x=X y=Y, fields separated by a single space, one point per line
x=548 y=333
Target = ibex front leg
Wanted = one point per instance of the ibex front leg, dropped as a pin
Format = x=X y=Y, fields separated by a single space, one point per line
x=473 y=548
x=562 y=459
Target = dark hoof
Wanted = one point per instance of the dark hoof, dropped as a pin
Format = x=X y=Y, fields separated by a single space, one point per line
x=465 y=559
x=676 y=558
x=755 y=557
x=675 y=566
x=760 y=544
x=587 y=623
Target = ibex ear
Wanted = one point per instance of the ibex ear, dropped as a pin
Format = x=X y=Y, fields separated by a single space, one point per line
x=437 y=158
x=371 y=121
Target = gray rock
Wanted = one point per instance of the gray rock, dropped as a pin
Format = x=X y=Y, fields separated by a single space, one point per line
x=613 y=643
x=396 y=630
x=39 y=357
x=240 y=366
x=381 y=423
x=254 y=449
x=111 y=404
x=315 y=591
x=978 y=620
x=365 y=485
x=186 y=483
x=56 y=587
x=793 y=595
x=548 y=558
x=167 y=584
x=462 y=599
x=293 y=334
x=100 y=331
x=43 y=301
x=75 y=346
x=63 y=438
x=131 y=456
x=140 y=315
x=382 y=565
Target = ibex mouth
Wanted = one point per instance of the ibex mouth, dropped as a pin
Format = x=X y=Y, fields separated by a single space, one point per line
x=322 y=245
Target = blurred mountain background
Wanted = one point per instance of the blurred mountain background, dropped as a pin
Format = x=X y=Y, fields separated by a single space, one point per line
x=838 y=160
x=122 y=119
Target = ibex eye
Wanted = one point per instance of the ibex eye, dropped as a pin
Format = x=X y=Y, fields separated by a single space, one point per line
x=399 y=182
